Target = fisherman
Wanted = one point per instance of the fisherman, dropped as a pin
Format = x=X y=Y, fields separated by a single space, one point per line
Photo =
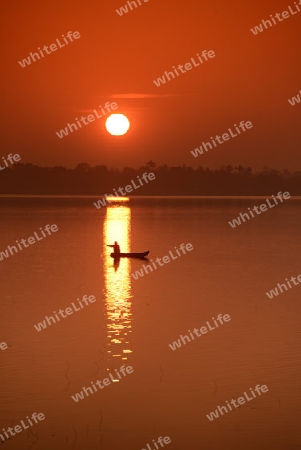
x=115 y=247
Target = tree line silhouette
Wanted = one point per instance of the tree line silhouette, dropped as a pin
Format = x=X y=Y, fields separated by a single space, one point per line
x=29 y=179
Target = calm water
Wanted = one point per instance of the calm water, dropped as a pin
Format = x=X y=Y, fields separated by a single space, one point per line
x=133 y=321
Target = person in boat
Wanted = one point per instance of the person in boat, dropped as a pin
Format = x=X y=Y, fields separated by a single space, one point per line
x=115 y=247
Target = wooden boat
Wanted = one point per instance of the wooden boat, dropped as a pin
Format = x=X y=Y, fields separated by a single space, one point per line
x=129 y=255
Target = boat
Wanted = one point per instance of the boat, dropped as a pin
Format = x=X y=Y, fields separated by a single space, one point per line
x=129 y=255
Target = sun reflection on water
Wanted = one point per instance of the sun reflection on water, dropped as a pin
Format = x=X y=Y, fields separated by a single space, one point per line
x=117 y=283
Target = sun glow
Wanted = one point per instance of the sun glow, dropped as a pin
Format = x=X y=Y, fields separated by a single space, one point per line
x=117 y=124
x=117 y=199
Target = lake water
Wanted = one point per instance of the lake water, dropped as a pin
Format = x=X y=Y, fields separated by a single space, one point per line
x=133 y=322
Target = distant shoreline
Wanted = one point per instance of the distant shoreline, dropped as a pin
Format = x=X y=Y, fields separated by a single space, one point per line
x=63 y=196
x=180 y=181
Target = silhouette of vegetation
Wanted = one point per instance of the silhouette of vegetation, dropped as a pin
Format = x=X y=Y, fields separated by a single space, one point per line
x=99 y=180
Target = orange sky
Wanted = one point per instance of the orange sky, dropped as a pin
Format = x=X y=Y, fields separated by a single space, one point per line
x=251 y=78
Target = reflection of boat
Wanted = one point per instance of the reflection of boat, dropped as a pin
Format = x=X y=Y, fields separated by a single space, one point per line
x=129 y=255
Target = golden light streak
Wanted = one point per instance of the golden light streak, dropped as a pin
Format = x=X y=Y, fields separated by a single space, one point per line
x=117 y=282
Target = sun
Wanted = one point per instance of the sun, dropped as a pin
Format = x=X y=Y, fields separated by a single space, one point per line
x=117 y=124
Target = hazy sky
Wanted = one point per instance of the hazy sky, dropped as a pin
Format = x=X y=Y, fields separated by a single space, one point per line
x=117 y=58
